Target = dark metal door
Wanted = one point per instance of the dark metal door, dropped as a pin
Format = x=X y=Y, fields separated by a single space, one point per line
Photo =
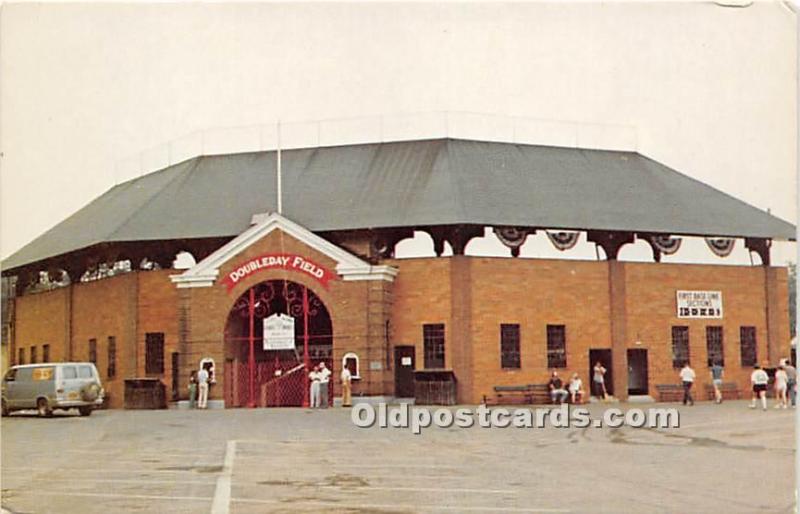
x=604 y=357
x=175 y=377
x=404 y=364
x=637 y=371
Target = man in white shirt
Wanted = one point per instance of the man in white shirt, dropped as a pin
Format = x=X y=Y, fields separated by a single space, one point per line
x=687 y=377
x=347 y=380
x=314 y=386
x=759 y=379
x=202 y=388
x=324 y=378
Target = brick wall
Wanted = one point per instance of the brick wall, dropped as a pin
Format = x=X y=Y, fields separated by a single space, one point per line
x=42 y=318
x=536 y=292
x=472 y=296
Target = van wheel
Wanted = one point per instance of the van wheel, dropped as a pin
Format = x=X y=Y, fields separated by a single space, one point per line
x=43 y=408
x=85 y=411
x=4 y=408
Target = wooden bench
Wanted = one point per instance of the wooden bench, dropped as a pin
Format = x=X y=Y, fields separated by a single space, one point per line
x=729 y=390
x=669 y=392
x=530 y=394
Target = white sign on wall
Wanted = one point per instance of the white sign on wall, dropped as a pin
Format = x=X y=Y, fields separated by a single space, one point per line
x=699 y=304
x=279 y=332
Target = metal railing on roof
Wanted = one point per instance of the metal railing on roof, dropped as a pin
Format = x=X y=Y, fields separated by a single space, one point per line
x=379 y=129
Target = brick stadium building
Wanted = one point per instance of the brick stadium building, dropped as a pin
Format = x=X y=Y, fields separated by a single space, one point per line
x=99 y=287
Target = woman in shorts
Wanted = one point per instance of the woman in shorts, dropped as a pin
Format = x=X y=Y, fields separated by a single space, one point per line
x=759 y=379
x=575 y=389
x=599 y=381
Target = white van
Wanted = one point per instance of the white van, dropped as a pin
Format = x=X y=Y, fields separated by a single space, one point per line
x=49 y=386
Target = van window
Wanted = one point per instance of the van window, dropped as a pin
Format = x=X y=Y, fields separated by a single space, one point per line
x=43 y=374
x=24 y=374
x=85 y=372
x=68 y=372
x=10 y=375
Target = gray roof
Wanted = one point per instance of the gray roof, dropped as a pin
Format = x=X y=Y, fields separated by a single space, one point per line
x=414 y=183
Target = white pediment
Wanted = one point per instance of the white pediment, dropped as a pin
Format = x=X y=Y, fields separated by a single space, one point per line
x=348 y=266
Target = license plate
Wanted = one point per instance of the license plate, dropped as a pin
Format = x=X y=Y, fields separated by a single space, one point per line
x=72 y=396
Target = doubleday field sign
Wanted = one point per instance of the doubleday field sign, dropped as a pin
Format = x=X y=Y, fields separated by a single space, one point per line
x=282 y=260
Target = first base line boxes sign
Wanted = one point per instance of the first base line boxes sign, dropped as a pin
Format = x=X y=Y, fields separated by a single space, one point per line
x=699 y=304
x=286 y=261
x=279 y=332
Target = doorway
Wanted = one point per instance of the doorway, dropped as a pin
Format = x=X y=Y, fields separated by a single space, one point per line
x=275 y=377
x=175 y=376
x=637 y=371
x=604 y=357
x=404 y=365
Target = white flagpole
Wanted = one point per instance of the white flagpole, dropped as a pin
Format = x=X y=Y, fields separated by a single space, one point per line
x=280 y=193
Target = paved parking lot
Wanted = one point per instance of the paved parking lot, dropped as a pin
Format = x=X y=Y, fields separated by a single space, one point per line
x=724 y=458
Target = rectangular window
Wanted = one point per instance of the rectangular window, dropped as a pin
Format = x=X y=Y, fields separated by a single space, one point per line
x=433 y=340
x=111 y=371
x=93 y=351
x=34 y=355
x=46 y=353
x=21 y=356
x=680 y=346
x=714 y=346
x=154 y=353
x=556 y=346
x=748 y=346
x=509 y=346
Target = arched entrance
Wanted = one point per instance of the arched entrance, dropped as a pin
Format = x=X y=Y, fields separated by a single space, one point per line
x=275 y=377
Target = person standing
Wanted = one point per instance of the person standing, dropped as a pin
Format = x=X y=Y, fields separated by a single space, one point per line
x=202 y=388
x=347 y=380
x=759 y=379
x=687 y=377
x=791 y=384
x=314 y=393
x=324 y=379
x=781 y=381
x=716 y=380
x=192 y=389
x=599 y=381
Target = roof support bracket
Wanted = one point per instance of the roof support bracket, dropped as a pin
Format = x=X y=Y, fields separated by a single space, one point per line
x=761 y=246
x=610 y=242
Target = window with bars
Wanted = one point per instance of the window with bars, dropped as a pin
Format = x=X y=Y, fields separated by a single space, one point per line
x=509 y=346
x=34 y=355
x=433 y=342
x=154 y=353
x=111 y=370
x=748 y=349
x=93 y=351
x=556 y=346
x=46 y=353
x=21 y=356
x=714 y=346
x=680 y=346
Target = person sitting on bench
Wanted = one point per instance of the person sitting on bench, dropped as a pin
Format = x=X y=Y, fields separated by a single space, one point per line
x=557 y=392
x=576 y=389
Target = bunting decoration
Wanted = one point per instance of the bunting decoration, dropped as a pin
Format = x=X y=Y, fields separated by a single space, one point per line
x=512 y=237
x=563 y=240
x=666 y=244
x=721 y=246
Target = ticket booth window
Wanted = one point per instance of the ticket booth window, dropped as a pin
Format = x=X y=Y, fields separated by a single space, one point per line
x=350 y=361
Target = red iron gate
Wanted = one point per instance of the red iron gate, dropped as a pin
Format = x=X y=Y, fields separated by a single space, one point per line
x=256 y=377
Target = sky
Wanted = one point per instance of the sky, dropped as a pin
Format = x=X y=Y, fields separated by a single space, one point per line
x=93 y=94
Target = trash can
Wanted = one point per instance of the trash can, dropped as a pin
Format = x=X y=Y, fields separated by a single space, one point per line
x=434 y=387
x=145 y=393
